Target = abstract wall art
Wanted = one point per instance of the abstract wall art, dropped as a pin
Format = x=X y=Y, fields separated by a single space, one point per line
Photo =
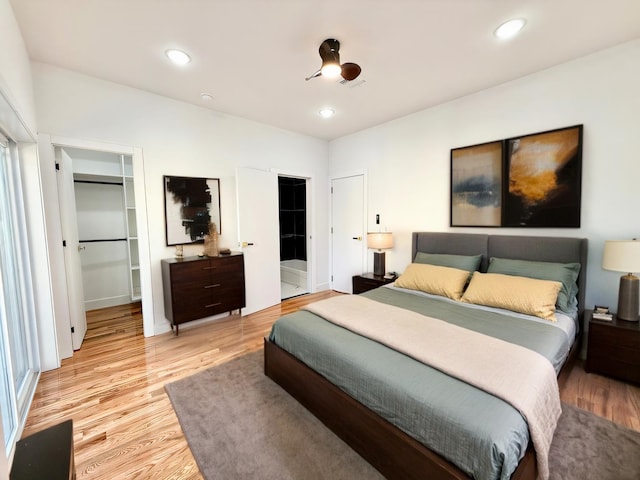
x=191 y=203
x=476 y=185
x=527 y=181
x=543 y=171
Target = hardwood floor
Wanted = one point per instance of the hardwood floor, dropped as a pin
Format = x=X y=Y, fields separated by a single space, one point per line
x=124 y=424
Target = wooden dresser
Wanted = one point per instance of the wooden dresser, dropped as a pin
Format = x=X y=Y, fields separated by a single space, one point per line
x=198 y=287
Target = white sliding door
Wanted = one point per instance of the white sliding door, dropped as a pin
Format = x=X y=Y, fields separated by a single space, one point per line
x=19 y=358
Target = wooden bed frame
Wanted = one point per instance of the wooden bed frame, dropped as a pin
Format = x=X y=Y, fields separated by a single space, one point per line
x=391 y=451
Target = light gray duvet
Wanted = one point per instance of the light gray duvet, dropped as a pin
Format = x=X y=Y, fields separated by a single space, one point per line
x=481 y=434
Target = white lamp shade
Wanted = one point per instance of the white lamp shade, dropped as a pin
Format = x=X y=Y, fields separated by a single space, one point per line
x=380 y=240
x=621 y=256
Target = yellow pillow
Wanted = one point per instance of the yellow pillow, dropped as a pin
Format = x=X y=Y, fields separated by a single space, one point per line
x=434 y=279
x=519 y=294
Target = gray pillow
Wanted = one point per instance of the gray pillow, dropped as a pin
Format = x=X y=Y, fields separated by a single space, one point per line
x=469 y=263
x=565 y=273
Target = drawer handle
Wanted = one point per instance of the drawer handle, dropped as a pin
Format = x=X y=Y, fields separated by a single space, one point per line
x=212 y=286
x=213 y=305
x=209 y=268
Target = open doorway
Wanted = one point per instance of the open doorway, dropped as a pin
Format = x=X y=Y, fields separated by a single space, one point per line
x=96 y=194
x=294 y=271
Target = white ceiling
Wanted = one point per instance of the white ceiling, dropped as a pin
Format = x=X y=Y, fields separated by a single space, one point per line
x=253 y=55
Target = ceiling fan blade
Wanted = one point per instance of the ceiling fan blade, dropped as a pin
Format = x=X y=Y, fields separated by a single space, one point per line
x=329 y=48
x=314 y=75
x=350 y=71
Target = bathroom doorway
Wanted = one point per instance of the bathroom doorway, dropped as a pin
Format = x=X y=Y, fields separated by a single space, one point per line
x=294 y=273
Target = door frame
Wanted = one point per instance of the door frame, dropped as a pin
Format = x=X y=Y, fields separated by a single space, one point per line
x=310 y=219
x=365 y=194
x=141 y=215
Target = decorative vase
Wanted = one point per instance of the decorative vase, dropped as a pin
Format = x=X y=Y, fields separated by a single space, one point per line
x=179 y=251
x=211 y=248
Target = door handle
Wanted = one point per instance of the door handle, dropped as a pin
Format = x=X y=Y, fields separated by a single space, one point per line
x=247 y=244
x=358 y=238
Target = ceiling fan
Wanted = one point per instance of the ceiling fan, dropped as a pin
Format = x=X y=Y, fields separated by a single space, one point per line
x=331 y=68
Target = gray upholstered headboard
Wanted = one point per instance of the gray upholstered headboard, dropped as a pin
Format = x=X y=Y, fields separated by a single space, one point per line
x=543 y=249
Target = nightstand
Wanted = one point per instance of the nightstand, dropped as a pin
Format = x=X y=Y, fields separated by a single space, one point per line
x=369 y=281
x=614 y=348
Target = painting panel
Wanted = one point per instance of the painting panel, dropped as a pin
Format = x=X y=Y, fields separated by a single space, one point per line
x=476 y=185
x=191 y=203
x=544 y=179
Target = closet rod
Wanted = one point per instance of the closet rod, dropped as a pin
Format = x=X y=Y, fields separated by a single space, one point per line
x=98 y=182
x=104 y=240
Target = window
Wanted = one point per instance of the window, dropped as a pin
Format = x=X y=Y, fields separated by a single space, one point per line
x=19 y=359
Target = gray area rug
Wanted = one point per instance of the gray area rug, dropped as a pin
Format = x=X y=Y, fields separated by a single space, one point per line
x=240 y=425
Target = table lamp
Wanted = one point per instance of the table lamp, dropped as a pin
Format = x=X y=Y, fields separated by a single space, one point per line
x=379 y=241
x=624 y=256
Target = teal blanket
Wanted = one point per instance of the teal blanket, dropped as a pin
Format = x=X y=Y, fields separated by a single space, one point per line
x=481 y=434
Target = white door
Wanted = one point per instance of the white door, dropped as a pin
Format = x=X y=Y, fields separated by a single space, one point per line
x=75 y=290
x=49 y=181
x=258 y=234
x=348 y=238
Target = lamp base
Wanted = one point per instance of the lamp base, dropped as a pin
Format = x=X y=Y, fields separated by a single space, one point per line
x=378 y=263
x=628 y=298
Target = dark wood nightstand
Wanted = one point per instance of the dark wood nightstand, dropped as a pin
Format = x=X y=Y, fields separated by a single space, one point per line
x=614 y=348
x=369 y=281
x=46 y=454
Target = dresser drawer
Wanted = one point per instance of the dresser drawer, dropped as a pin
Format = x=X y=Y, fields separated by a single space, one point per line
x=195 y=295
x=617 y=354
x=606 y=335
x=226 y=264
x=606 y=365
x=188 y=273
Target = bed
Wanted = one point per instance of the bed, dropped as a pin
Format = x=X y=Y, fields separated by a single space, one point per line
x=410 y=420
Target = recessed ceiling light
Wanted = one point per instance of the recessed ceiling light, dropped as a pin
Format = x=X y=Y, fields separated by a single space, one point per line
x=207 y=97
x=178 y=57
x=327 y=112
x=510 y=28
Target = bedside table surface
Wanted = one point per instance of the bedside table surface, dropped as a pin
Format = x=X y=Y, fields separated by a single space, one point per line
x=372 y=276
x=617 y=323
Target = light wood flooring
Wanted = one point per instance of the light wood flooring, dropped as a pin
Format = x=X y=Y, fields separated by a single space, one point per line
x=124 y=424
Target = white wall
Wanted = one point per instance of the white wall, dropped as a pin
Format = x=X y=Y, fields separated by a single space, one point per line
x=15 y=78
x=180 y=139
x=407 y=160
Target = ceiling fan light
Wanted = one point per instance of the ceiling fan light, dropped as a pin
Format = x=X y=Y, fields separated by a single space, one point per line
x=330 y=70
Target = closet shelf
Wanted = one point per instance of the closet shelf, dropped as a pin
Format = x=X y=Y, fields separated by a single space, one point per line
x=99 y=179
x=103 y=240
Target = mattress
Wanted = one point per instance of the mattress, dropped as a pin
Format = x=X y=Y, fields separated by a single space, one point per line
x=481 y=434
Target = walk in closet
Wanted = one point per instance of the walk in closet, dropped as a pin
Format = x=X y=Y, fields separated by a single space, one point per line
x=106 y=218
